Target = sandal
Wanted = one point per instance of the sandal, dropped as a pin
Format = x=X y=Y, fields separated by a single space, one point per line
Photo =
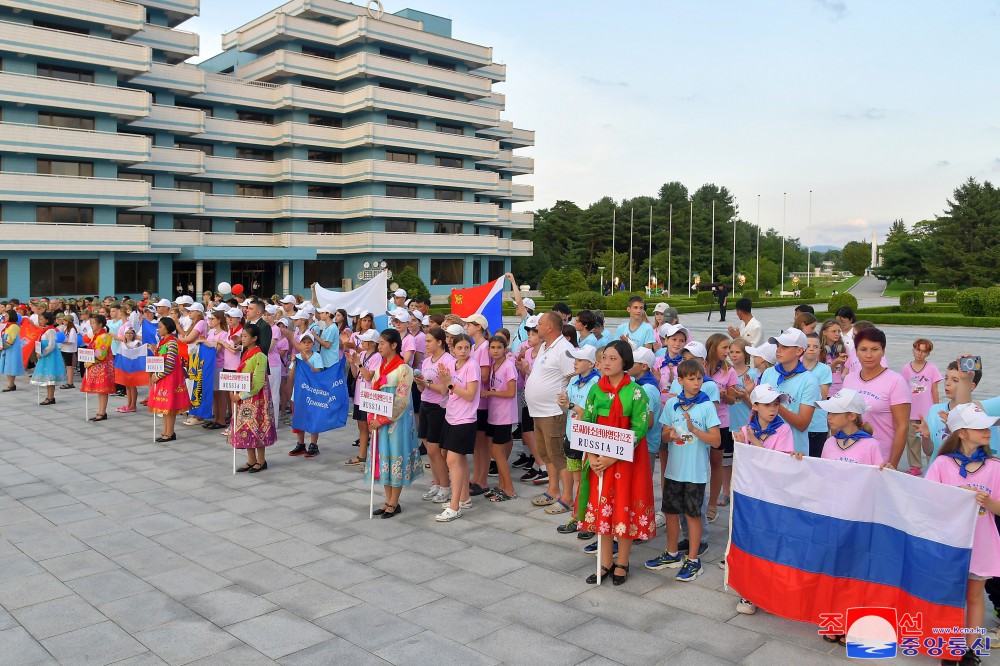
x=354 y=461
x=544 y=500
x=834 y=638
x=618 y=580
x=212 y=425
x=68 y=386
x=592 y=578
x=557 y=508
x=712 y=514
x=499 y=495
x=723 y=502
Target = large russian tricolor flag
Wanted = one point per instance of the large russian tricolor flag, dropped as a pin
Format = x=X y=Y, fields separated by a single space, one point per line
x=814 y=537
x=486 y=299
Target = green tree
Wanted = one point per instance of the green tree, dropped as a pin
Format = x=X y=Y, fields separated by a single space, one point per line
x=902 y=255
x=409 y=280
x=769 y=272
x=575 y=281
x=856 y=257
x=553 y=284
x=966 y=239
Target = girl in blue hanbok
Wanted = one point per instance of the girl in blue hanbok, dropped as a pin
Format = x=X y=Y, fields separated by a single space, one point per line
x=49 y=368
x=11 y=360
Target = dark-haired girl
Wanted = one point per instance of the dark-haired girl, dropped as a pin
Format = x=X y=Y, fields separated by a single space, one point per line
x=168 y=395
x=253 y=411
x=99 y=376
x=48 y=368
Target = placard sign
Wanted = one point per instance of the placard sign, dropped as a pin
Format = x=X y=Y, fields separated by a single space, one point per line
x=234 y=381
x=602 y=440
x=85 y=355
x=38 y=349
x=376 y=402
x=155 y=364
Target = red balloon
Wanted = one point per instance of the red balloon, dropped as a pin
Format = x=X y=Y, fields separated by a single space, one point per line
x=237 y=289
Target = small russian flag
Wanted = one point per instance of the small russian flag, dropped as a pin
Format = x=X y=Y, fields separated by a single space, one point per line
x=486 y=299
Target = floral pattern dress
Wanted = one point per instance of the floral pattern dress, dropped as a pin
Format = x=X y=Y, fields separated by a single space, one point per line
x=398 y=447
x=253 y=418
x=100 y=375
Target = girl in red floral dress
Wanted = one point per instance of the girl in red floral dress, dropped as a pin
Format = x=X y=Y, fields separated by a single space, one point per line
x=99 y=377
x=168 y=394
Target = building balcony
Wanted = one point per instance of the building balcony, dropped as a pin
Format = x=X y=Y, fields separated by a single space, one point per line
x=494 y=72
x=508 y=134
x=183 y=78
x=174 y=160
x=40 y=237
x=177 y=45
x=181 y=202
x=367 y=242
x=177 y=11
x=173 y=119
x=64 y=142
x=509 y=162
x=246 y=133
x=516 y=220
x=509 y=191
x=217 y=205
x=25 y=39
x=494 y=100
x=122 y=18
x=72 y=190
x=231 y=168
x=24 y=89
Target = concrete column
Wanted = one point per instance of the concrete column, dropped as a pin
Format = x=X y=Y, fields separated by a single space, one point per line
x=199 y=279
x=285 y=278
x=106 y=274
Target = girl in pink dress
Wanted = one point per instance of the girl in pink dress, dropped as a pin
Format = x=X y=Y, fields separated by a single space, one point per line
x=99 y=377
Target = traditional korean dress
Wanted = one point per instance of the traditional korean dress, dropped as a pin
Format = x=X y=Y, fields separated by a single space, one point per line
x=398 y=451
x=167 y=391
x=49 y=368
x=100 y=375
x=11 y=359
x=253 y=417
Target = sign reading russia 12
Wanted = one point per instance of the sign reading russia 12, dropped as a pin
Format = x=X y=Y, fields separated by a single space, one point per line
x=375 y=402
x=85 y=355
x=155 y=364
x=602 y=440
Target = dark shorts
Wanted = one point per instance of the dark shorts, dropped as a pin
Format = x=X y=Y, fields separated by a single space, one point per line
x=360 y=415
x=500 y=434
x=727 y=443
x=482 y=420
x=816 y=442
x=431 y=422
x=459 y=438
x=527 y=423
x=67 y=358
x=681 y=497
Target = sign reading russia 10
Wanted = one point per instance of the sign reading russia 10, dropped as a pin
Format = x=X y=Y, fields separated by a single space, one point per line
x=602 y=440
x=234 y=381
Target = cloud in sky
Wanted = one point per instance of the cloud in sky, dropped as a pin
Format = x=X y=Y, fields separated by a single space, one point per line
x=996 y=164
x=836 y=8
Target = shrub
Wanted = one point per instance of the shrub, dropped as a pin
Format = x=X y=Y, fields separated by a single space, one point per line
x=991 y=302
x=409 y=280
x=587 y=300
x=576 y=281
x=946 y=295
x=705 y=298
x=909 y=319
x=839 y=301
x=553 y=284
x=752 y=294
x=970 y=301
x=619 y=300
x=912 y=301
x=809 y=292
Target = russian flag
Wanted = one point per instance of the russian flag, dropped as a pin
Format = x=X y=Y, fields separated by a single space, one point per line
x=814 y=537
x=130 y=366
x=486 y=299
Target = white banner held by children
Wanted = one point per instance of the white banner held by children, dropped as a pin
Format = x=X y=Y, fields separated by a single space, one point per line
x=85 y=355
x=375 y=402
x=234 y=381
x=602 y=440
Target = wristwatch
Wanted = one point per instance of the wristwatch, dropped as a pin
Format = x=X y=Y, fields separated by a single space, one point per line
x=451 y=387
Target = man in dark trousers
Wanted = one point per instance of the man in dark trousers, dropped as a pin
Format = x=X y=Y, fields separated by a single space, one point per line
x=722 y=293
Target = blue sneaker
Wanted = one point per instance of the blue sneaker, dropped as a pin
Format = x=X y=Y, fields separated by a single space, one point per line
x=665 y=561
x=690 y=570
x=591 y=548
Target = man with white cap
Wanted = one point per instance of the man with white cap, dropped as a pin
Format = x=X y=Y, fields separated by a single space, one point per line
x=398 y=300
x=791 y=377
x=523 y=308
x=162 y=308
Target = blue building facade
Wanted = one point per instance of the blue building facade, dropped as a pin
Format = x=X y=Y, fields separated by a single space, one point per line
x=325 y=140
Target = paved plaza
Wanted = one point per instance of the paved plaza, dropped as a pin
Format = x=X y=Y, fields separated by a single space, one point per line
x=117 y=550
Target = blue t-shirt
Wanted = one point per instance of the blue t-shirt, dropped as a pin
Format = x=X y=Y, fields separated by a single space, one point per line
x=802 y=389
x=709 y=388
x=688 y=462
x=605 y=339
x=331 y=354
x=316 y=360
x=577 y=394
x=590 y=340
x=655 y=433
x=739 y=411
x=823 y=376
x=640 y=337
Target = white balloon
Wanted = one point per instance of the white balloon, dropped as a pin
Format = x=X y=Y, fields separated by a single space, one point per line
x=225 y=288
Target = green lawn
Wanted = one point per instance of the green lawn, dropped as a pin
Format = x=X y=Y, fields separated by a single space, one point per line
x=823 y=287
x=897 y=287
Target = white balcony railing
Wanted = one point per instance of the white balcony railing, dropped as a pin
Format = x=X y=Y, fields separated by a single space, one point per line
x=178 y=45
x=177 y=10
x=181 y=202
x=26 y=39
x=72 y=190
x=516 y=220
x=40 y=237
x=67 y=95
x=175 y=160
x=65 y=142
x=123 y=18
x=173 y=119
x=183 y=78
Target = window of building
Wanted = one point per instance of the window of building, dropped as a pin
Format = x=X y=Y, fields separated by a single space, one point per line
x=397 y=121
x=496 y=270
x=254 y=190
x=135 y=277
x=324 y=271
x=450 y=129
x=408 y=158
x=206 y=148
x=405 y=191
x=197 y=185
x=325 y=121
x=135 y=219
x=255 y=154
x=65 y=120
x=401 y=226
x=193 y=224
x=451 y=162
x=447 y=227
x=441 y=64
x=325 y=156
x=325 y=191
x=64 y=277
x=253 y=226
x=142 y=177
x=3 y=278
x=324 y=227
x=439 y=95
x=59 y=26
x=394 y=86
x=64 y=215
x=65 y=73
x=65 y=168
x=318 y=85
x=319 y=52
x=392 y=53
x=448 y=271
x=396 y=266
x=447 y=195
x=209 y=111
x=255 y=117
x=476 y=270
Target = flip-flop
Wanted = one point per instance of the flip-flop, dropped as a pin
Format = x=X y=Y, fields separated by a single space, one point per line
x=544 y=500
x=557 y=508
x=712 y=516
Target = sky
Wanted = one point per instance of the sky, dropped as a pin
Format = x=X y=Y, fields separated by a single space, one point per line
x=880 y=108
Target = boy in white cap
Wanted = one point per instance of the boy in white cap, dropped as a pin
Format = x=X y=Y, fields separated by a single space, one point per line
x=766 y=427
x=573 y=400
x=791 y=377
x=851 y=439
x=307 y=358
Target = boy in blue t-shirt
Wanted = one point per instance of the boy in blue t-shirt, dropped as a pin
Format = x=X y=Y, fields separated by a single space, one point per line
x=690 y=426
x=573 y=400
x=790 y=376
x=308 y=359
x=636 y=331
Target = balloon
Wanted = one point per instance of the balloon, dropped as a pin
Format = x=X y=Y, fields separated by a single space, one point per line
x=237 y=289
x=225 y=288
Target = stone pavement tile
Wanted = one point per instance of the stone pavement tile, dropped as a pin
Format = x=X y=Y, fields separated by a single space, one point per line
x=517 y=645
x=334 y=651
x=17 y=564
x=144 y=659
x=692 y=656
x=311 y=600
x=253 y=536
x=279 y=633
x=118 y=543
x=134 y=484
x=157 y=523
x=598 y=660
x=185 y=640
x=695 y=599
x=506 y=520
x=95 y=527
x=219 y=520
x=640 y=579
x=340 y=515
x=103 y=643
x=471 y=588
x=160 y=495
x=48 y=501
x=412 y=567
x=545 y=582
x=368 y=626
x=104 y=587
x=292 y=552
x=430 y=648
x=774 y=627
x=241 y=655
x=339 y=572
x=57 y=616
x=188 y=581
x=780 y=652
x=382 y=530
x=220 y=557
x=550 y=556
x=431 y=544
x=78 y=565
x=7 y=620
x=187 y=508
x=264 y=576
x=144 y=611
x=540 y=614
x=392 y=594
x=452 y=619
x=280 y=516
x=149 y=561
x=30 y=590
x=244 y=504
x=70 y=513
x=362 y=548
x=622 y=605
x=618 y=642
x=300 y=501
x=230 y=605
x=189 y=539
x=25 y=490
x=707 y=635
x=214 y=492
x=18 y=647
x=483 y=562
x=317 y=532
x=493 y=538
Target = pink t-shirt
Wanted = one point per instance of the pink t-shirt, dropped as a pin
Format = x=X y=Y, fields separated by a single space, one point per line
x=281 y=348
x=429 y=371
x=481 y=355
x=231 y=360
x=986 y=541
x=458 y=410
x=202 y=328
x=867 y=451
x=529 y=356
x=274 y=355
x=920 y=384
x=370 y=363
x=213 y=336
x=854 y=365
x=782 y=440
x=502 y=411
x=409 y=345
x=888 y=389
x=668 y=373
x=724 y=377
x=838 y=377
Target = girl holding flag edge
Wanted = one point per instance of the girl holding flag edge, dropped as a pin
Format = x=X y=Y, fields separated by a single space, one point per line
x=99 y=378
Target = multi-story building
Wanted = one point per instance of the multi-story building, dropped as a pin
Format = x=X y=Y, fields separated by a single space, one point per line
x=325 y=139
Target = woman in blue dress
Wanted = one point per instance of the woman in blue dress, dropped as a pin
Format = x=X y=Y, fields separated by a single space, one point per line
x=11 y=360
x=49 y=369
x=398 y=451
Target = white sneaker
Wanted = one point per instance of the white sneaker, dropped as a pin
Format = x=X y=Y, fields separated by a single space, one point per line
x=745 y=607
x=443 y=496
x=661 y=520
x=722 y=563
x=465 y=505
x=449 y=514
x=431 y=492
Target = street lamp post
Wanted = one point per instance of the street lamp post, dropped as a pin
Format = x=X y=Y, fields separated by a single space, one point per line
x=601 y=268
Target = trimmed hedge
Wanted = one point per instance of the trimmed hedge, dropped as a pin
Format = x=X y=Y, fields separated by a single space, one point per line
x=911 y=301
x=946 y=295
x=586 y=300
x=839 y=301
x=752 y=294
x=705 y=298
x=970 y=301
x=808 y=292
x=991 y=302
x=904 y=319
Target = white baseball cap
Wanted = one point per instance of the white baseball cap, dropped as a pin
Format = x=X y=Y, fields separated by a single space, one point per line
x=584 y=353
x=765 y=394
x=971 y=416
x=697 y=349
x=426 y=321
x=399 y=293
x=531 y=322
x=668 y=330
x=300 y=316
x=307 y=336
x=271 y=309
x=849 y=401
x=184 y=300
x=364 y=313
x=478 y=319
x=198 y=307
x=766 y=351
x=644 y=355
x=792 y=337
x=284 y=321
x=305 y=305
x=234 y=312
x=221 y=307
x=326 y=309
x=289 y=299
x=455 y=329
x=661 y=307
x=371 y=335
x=528 y=303
x=402 y=315
x=246 y=303
x=162 y=303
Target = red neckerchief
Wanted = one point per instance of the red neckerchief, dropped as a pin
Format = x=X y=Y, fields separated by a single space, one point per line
x=616 y=416
x=385 y=370
x=163 y=343
x=247 y=355
x=234 y=332
x=93 y=340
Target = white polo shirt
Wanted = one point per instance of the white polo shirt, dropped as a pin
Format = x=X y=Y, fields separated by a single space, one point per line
x=550 y=374
x=752 y=332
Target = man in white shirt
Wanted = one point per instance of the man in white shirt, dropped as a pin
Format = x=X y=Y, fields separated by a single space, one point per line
x=549 y=377
x=750 y=328
x=162 y=308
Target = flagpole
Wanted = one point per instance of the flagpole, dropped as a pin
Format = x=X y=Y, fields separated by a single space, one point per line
x=784 y=215
x=690 y=240
x=734 y=253
x=713 y=242
x=757 y=271
x=600 y=493
x=649 y=263
x=614 y=217
x=809 y=239
x=670 y=246
x=631 y=225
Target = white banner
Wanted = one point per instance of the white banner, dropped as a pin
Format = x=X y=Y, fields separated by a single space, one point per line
x=155 y=364
x=602 y=440
x=370 y=296
x=85 y=355
x=375 y=402
x=234 y=381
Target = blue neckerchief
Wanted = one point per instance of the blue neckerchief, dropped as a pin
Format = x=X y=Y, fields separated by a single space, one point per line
x=672 y=361
x=583 y=379
x=684 y=401
x=785 y=374
x=979 y=456
x=647 y=380
x=853 y=439
x=771 y=428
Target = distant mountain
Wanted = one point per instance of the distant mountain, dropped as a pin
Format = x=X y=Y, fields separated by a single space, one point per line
x=824 y=248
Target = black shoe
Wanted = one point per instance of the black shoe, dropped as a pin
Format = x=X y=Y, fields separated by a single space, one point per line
x=299 y=449
x=616 y=579
x=521 y=459
x=313 y=451
x=476 y=489
x=171 y=438
x=530 y=474
x=9 y=389
x=592 y=578
x=357 y=442
x=258 y=468
x=391 y=514
x=568 y=528
x=541 y=478
x=684 y=544
x=245 y=468
x=493 y=469
x=48 y=401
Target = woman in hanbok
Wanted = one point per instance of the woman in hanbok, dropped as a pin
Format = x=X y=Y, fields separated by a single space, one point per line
x=11 y=360
x=168 y=394
x=253 y=426
x=99 y=376
x=49 y=368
